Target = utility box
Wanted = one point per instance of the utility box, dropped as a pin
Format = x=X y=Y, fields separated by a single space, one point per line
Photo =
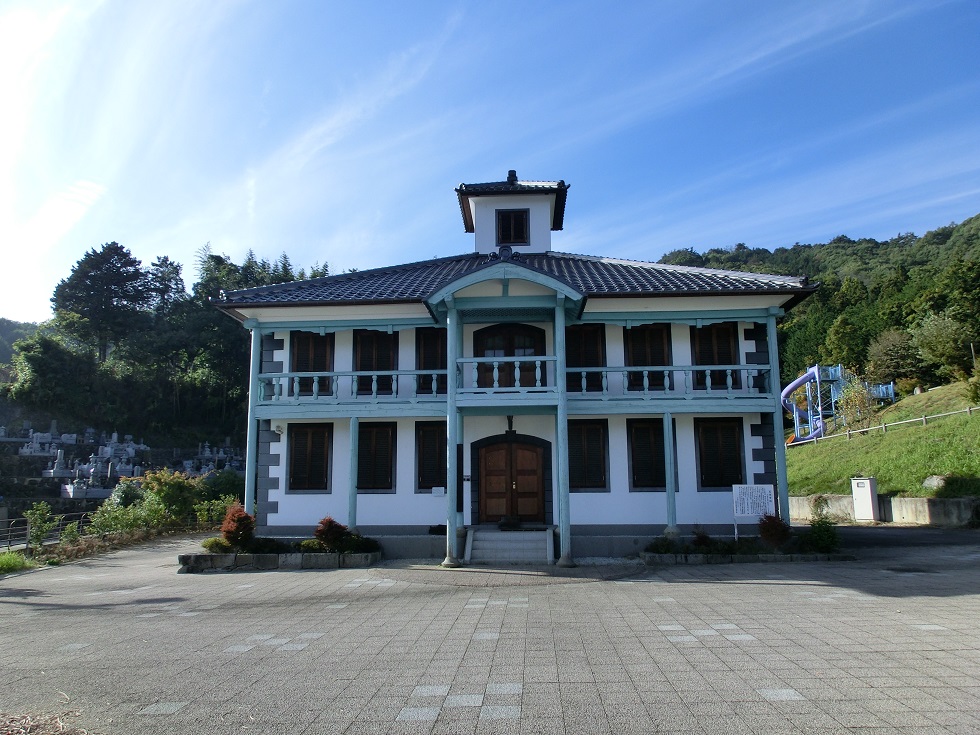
x=864 y=491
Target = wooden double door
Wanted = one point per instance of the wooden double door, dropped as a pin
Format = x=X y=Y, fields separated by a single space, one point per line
x=511 y=482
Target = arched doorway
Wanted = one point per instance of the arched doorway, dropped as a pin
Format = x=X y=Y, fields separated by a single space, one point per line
x=512 y=472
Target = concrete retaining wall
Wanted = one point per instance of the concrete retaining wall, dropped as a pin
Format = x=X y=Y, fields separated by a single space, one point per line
x=918 y=511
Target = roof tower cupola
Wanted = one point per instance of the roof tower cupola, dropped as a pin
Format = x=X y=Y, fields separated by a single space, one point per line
x=513 y=215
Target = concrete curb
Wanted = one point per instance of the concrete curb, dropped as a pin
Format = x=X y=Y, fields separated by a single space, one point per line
x=197 y=563
x=674 y=559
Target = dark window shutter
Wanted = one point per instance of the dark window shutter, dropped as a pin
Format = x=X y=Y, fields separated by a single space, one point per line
x=577 y=455
x=299 y=457
x=720 y=452
x=375 y=351
x=375 y=456
x=431 y=354
x=716 y=344
x=512 y=226
x=584 y=347
x=309 y=456
x=311 y=353
x=431 y=453
x=646 y=438
x=647 y=346
x=587 y=441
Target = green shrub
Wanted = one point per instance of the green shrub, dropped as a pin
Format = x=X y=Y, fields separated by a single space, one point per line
x=357 y=544
x=13 y=561
x=176 y=491
x=70 y=534
x=110 y=517
x=210 y=513
x=774 y=531
x=662 y=545
x=217 y=485
x=311 y=546
x=127 y=492
x=823 y=536
x=40 y=524
x=216 y=545
x=333 y=535
x=700 y=538
x=238 y=527
x=973 y=388
x=262 y=545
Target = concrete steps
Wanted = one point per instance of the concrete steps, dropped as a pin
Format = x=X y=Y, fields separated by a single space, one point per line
x=487 y=545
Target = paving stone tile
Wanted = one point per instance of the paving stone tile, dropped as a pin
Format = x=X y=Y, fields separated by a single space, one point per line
x=588 y=654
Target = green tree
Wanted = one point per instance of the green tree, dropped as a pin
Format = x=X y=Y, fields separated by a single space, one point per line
x=683 y=256
x=100 y=302
x=47 y=373
x=945 y=343
x=846 y=342
x=165 y=286
x=892 y=355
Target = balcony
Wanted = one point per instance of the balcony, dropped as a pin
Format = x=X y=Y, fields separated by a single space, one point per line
x=502 y=376
x=487 y=380
x=353 y=386
x=686 y=382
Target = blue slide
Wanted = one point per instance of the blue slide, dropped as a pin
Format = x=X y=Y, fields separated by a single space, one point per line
x=801 y=416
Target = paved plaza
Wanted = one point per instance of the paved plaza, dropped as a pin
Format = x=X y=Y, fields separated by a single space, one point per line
x=886 y=644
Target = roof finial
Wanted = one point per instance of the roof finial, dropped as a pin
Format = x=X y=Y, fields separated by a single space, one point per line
x=512 y=177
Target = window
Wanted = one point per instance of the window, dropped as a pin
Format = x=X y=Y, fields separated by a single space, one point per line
x=430 y=354
x=310 y=450
x=376 y=457
x=720 y=454
x=509 y=340
x=375 y=352
x=512 y=227
x=647 y=345
x=311 y=353
x=585 y=346
x=646 y=450
x=430 y=455
x=716 y=344
x=587 y=455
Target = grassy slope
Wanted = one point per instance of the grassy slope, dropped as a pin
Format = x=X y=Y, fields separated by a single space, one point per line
x=901 y=458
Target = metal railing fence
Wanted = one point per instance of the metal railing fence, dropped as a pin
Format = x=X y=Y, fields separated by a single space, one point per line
x=883 y=427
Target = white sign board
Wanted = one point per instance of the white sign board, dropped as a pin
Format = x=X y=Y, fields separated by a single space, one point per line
x=753 y=500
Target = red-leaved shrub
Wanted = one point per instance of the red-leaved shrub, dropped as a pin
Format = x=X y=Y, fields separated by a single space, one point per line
x=238 y=527
x=331 y=534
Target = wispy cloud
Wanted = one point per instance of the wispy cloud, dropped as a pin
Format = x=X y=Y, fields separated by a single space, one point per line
x=884 y=186
x=321 y=166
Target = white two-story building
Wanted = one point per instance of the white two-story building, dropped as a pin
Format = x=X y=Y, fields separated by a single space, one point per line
x=514 y=387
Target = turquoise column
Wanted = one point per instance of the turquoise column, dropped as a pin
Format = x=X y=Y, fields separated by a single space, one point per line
x=561 y=440
x=782 y=483
x=453 y=347
x=252 y=426
x=670 y=472
x=352 y=486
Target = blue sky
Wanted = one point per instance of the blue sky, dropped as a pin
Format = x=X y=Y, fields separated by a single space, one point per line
x=337 y=131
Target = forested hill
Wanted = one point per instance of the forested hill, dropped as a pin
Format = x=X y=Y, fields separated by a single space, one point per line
x=865 y=258
x=905 y=309
x=10 y=332
x=131 y=348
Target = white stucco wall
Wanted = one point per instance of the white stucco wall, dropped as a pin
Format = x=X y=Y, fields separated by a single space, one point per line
x=403 y=507
x=407 y=507
x=485 y=221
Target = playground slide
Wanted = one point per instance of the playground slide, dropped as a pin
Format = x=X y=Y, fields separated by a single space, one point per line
x=803 y=417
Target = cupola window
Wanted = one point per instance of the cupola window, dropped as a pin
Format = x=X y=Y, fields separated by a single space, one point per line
x=512 y=227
